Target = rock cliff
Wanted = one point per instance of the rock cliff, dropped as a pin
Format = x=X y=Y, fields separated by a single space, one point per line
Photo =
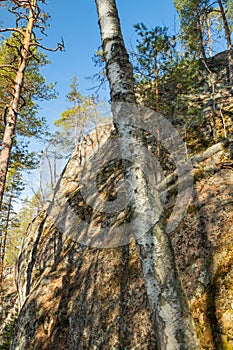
x=73 y=295
x=77 y=297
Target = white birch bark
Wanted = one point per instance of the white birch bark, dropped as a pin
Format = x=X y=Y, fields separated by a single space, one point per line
x=169 y=307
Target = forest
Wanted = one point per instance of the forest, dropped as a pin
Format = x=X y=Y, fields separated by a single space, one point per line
x=116 y=221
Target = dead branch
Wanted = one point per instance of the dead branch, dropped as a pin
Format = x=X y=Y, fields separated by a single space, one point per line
x=60 y=46
x=218 y=147
x=22 y=3
x=12 y=30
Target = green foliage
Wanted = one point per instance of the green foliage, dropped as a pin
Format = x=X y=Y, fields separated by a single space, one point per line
x=21 y=160
x=74 y=95
x=164 y=75
x=201 y=25
x=78 y=120
x=34 y=89
x=155 y=51
x=191 y=13
x=18 y=227
x=8 y=334
x=156 y=54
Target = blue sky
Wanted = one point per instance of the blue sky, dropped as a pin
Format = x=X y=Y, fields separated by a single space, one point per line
x=76 y=21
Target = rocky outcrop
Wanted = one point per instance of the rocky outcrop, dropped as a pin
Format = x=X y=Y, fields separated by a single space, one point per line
x=74 y=296
x=74 y=293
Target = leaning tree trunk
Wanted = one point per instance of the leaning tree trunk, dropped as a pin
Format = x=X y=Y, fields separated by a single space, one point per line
x=169 y=307
x=11 y=117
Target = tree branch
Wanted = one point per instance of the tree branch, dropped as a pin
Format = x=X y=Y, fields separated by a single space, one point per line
x=12 y=30
x=22 y=3
x=4 y=66
x=60 y=46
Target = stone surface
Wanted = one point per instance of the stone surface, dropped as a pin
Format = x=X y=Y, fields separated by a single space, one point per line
x=73 y=296
x=78 y=297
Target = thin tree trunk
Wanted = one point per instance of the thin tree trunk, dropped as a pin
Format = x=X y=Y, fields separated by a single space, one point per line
x=223 y=122
x=75 y=131
x=202 y=44
x=228 y=38
x=51 y=173
x=210 y=41
x=4 y=239
x=11 y=117
x=55 y=163
x=175 y=328
x=157 y=109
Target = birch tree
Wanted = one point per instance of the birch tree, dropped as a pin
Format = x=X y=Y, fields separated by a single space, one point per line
x=169 y=307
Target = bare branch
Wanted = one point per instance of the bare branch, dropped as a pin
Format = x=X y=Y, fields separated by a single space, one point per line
x=12 y=30
x=60 y=46
x=24 y=102
x=22 y=3
x=42 y=28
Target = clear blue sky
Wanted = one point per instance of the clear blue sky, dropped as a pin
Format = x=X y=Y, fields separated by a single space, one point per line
x=76 y=21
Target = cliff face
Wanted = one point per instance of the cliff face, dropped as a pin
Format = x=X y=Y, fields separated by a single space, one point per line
x=77 y=297
x=73 y=295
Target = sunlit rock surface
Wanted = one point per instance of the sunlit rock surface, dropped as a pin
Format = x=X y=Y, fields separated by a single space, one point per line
x=77 y=297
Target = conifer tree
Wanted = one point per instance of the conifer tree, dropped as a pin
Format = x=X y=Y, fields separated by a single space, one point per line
x=155 y=55
x=75 y=122
x=14 y=186
x=29 y=18
x=198 y=19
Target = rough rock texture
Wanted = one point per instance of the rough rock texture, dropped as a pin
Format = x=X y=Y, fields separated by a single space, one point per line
x=77 y=297
x=204 y=250
x=73 y=296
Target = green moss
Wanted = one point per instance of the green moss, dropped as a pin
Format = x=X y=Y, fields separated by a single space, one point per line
x=191 y=209
x=226 y=344
x=8 y=334
x=199 y=174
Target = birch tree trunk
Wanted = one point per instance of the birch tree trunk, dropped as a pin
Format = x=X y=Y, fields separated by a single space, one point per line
x=11 y=117
x=169 y=307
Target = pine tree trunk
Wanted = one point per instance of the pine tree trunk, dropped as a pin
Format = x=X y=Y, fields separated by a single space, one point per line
x=228 y=38
x=169 y=307
x=11 y=117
